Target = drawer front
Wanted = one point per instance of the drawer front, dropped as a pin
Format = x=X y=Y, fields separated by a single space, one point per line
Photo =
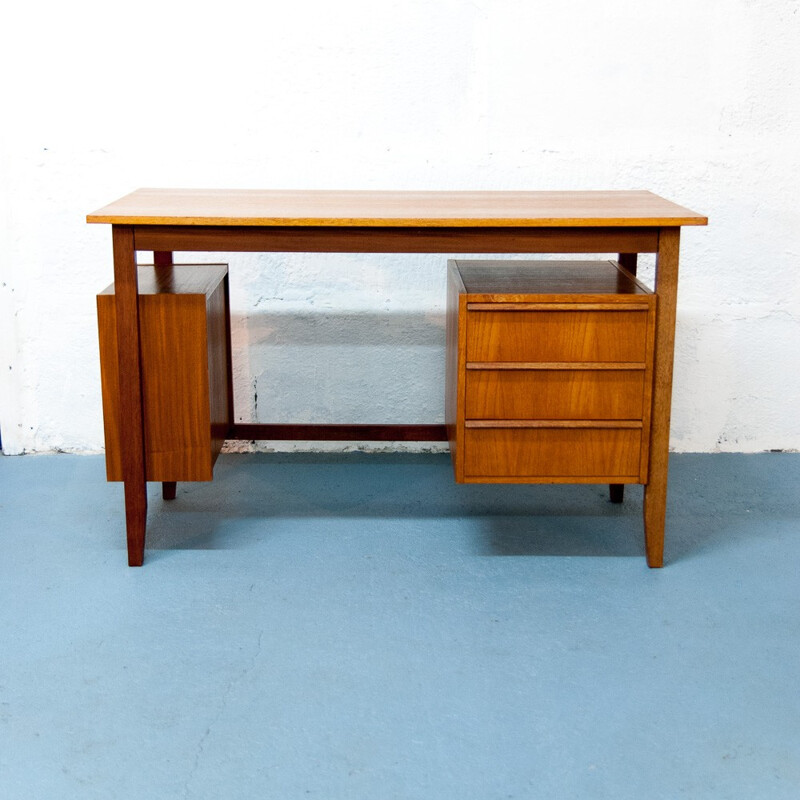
x=554 y=394
x=552 y=452
x=619 y=336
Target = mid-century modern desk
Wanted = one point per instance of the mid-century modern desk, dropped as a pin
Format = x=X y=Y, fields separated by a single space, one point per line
x=172 y=220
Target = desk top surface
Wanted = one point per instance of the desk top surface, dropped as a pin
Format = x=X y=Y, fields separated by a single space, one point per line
x=301 y=208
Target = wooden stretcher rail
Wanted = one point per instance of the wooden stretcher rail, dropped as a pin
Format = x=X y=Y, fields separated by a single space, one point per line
x=338 y=433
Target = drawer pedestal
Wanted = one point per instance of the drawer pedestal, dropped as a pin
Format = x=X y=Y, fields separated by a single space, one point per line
x=549 y=372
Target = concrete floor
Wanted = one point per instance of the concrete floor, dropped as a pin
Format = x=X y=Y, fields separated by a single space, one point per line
x=361 y=627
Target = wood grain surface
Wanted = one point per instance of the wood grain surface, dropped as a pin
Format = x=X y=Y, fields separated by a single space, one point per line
x=561 y=335
x=552 y=453
x=554 y=394
x=250 y=207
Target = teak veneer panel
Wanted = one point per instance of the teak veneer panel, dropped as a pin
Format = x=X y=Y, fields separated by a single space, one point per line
x=494 y=278
x=544 y=335
x=428 y=238
x=183 y=330
x=247 y=207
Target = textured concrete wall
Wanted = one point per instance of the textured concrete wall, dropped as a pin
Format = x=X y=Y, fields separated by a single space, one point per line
x=697 y=101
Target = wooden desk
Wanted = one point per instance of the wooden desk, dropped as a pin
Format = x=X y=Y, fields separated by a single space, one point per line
x=169 y=220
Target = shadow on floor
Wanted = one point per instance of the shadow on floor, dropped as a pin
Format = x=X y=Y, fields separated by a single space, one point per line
x=256 y=490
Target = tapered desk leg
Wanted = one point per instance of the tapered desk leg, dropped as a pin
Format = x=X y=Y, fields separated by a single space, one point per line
x=126 y=297
x=655 y=492
x=629 y=261
x=164 y=280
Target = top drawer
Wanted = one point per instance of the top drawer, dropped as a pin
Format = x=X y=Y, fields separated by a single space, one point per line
x=558 y=335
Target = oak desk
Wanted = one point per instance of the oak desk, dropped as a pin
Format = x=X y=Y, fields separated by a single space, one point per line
x=169 y=220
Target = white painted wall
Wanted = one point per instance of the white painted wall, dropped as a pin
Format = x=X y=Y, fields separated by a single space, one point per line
x=698 y=102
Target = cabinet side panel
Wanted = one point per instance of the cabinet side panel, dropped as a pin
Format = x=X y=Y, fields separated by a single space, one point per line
x=218 y=367
x=647 y=398
x=109 y=382
x=451 y=364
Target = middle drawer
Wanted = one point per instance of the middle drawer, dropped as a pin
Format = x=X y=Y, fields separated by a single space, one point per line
x=554 y=394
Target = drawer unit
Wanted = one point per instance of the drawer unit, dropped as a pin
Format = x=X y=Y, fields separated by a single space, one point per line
x=185 y=357
x=549 y=372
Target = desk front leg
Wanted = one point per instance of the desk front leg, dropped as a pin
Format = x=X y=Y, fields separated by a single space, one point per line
x=655 y=492
x=126 y=298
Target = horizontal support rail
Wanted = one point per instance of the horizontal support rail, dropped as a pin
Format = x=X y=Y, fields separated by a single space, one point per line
x=338 y=433
x=287 y=239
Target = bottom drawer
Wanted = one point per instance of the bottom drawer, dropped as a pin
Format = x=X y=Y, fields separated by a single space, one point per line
x=552 y=453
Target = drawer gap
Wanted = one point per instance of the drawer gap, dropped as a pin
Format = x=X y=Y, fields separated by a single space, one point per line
x=560 y=365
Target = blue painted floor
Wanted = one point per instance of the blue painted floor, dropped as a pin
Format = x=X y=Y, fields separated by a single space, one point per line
x=361 y=627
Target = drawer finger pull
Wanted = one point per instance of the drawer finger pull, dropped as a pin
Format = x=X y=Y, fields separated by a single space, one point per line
x=554 y=423
x=623 y=365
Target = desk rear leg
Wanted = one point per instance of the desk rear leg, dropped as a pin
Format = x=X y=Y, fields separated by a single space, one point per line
x=616 y=491
x=163 y=260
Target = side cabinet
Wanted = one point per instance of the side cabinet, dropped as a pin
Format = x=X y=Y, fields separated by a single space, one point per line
x=549 y=372
x=186 y=371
